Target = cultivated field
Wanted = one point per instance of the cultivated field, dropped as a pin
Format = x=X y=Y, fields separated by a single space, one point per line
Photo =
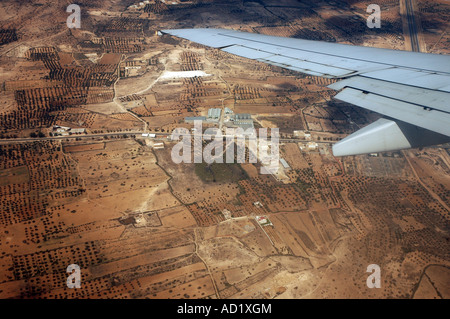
x=79 y=184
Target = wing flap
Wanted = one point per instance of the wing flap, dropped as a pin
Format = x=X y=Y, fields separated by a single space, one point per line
x=429 y=119
x=416 y=78
x=418 y=96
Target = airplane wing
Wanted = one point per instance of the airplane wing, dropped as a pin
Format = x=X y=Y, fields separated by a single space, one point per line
x=411 y=89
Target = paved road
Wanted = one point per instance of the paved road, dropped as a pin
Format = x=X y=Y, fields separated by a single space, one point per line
x=138 y=134
x=55 y=138
x=412 y=26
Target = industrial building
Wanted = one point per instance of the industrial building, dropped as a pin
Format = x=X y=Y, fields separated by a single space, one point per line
x=284 y=163
x=214 y=114
x=243 y=121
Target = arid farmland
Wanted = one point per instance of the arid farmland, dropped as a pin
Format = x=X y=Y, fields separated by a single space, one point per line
x=87 y=174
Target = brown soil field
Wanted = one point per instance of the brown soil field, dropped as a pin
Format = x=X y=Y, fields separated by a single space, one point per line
x=84 y=147
x=15 y=175
x=140 y=226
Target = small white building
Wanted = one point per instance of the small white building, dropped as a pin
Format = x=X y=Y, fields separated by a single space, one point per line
x=158 y=146
x=226 y=213
x=60 y=129
x=257 y=204
x=77 y=130
x=312 y=146
x=261 y=219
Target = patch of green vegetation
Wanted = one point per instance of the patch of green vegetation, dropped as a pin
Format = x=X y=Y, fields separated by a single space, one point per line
x=79 y=56
x=14 y=175
x=302 y=185
x=220 y=172
x=286 y=124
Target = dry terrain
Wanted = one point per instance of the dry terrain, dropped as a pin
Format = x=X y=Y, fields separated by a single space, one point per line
x=80 y=185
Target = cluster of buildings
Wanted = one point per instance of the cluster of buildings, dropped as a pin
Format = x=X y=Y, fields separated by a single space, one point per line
x=310 y=146
x=230 y=119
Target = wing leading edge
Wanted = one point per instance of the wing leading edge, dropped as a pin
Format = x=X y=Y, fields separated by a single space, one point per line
x=412 y=90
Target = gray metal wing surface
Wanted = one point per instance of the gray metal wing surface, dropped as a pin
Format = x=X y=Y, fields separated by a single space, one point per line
x=411 y=89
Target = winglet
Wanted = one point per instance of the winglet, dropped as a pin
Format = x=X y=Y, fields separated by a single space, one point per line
x=380 y=136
